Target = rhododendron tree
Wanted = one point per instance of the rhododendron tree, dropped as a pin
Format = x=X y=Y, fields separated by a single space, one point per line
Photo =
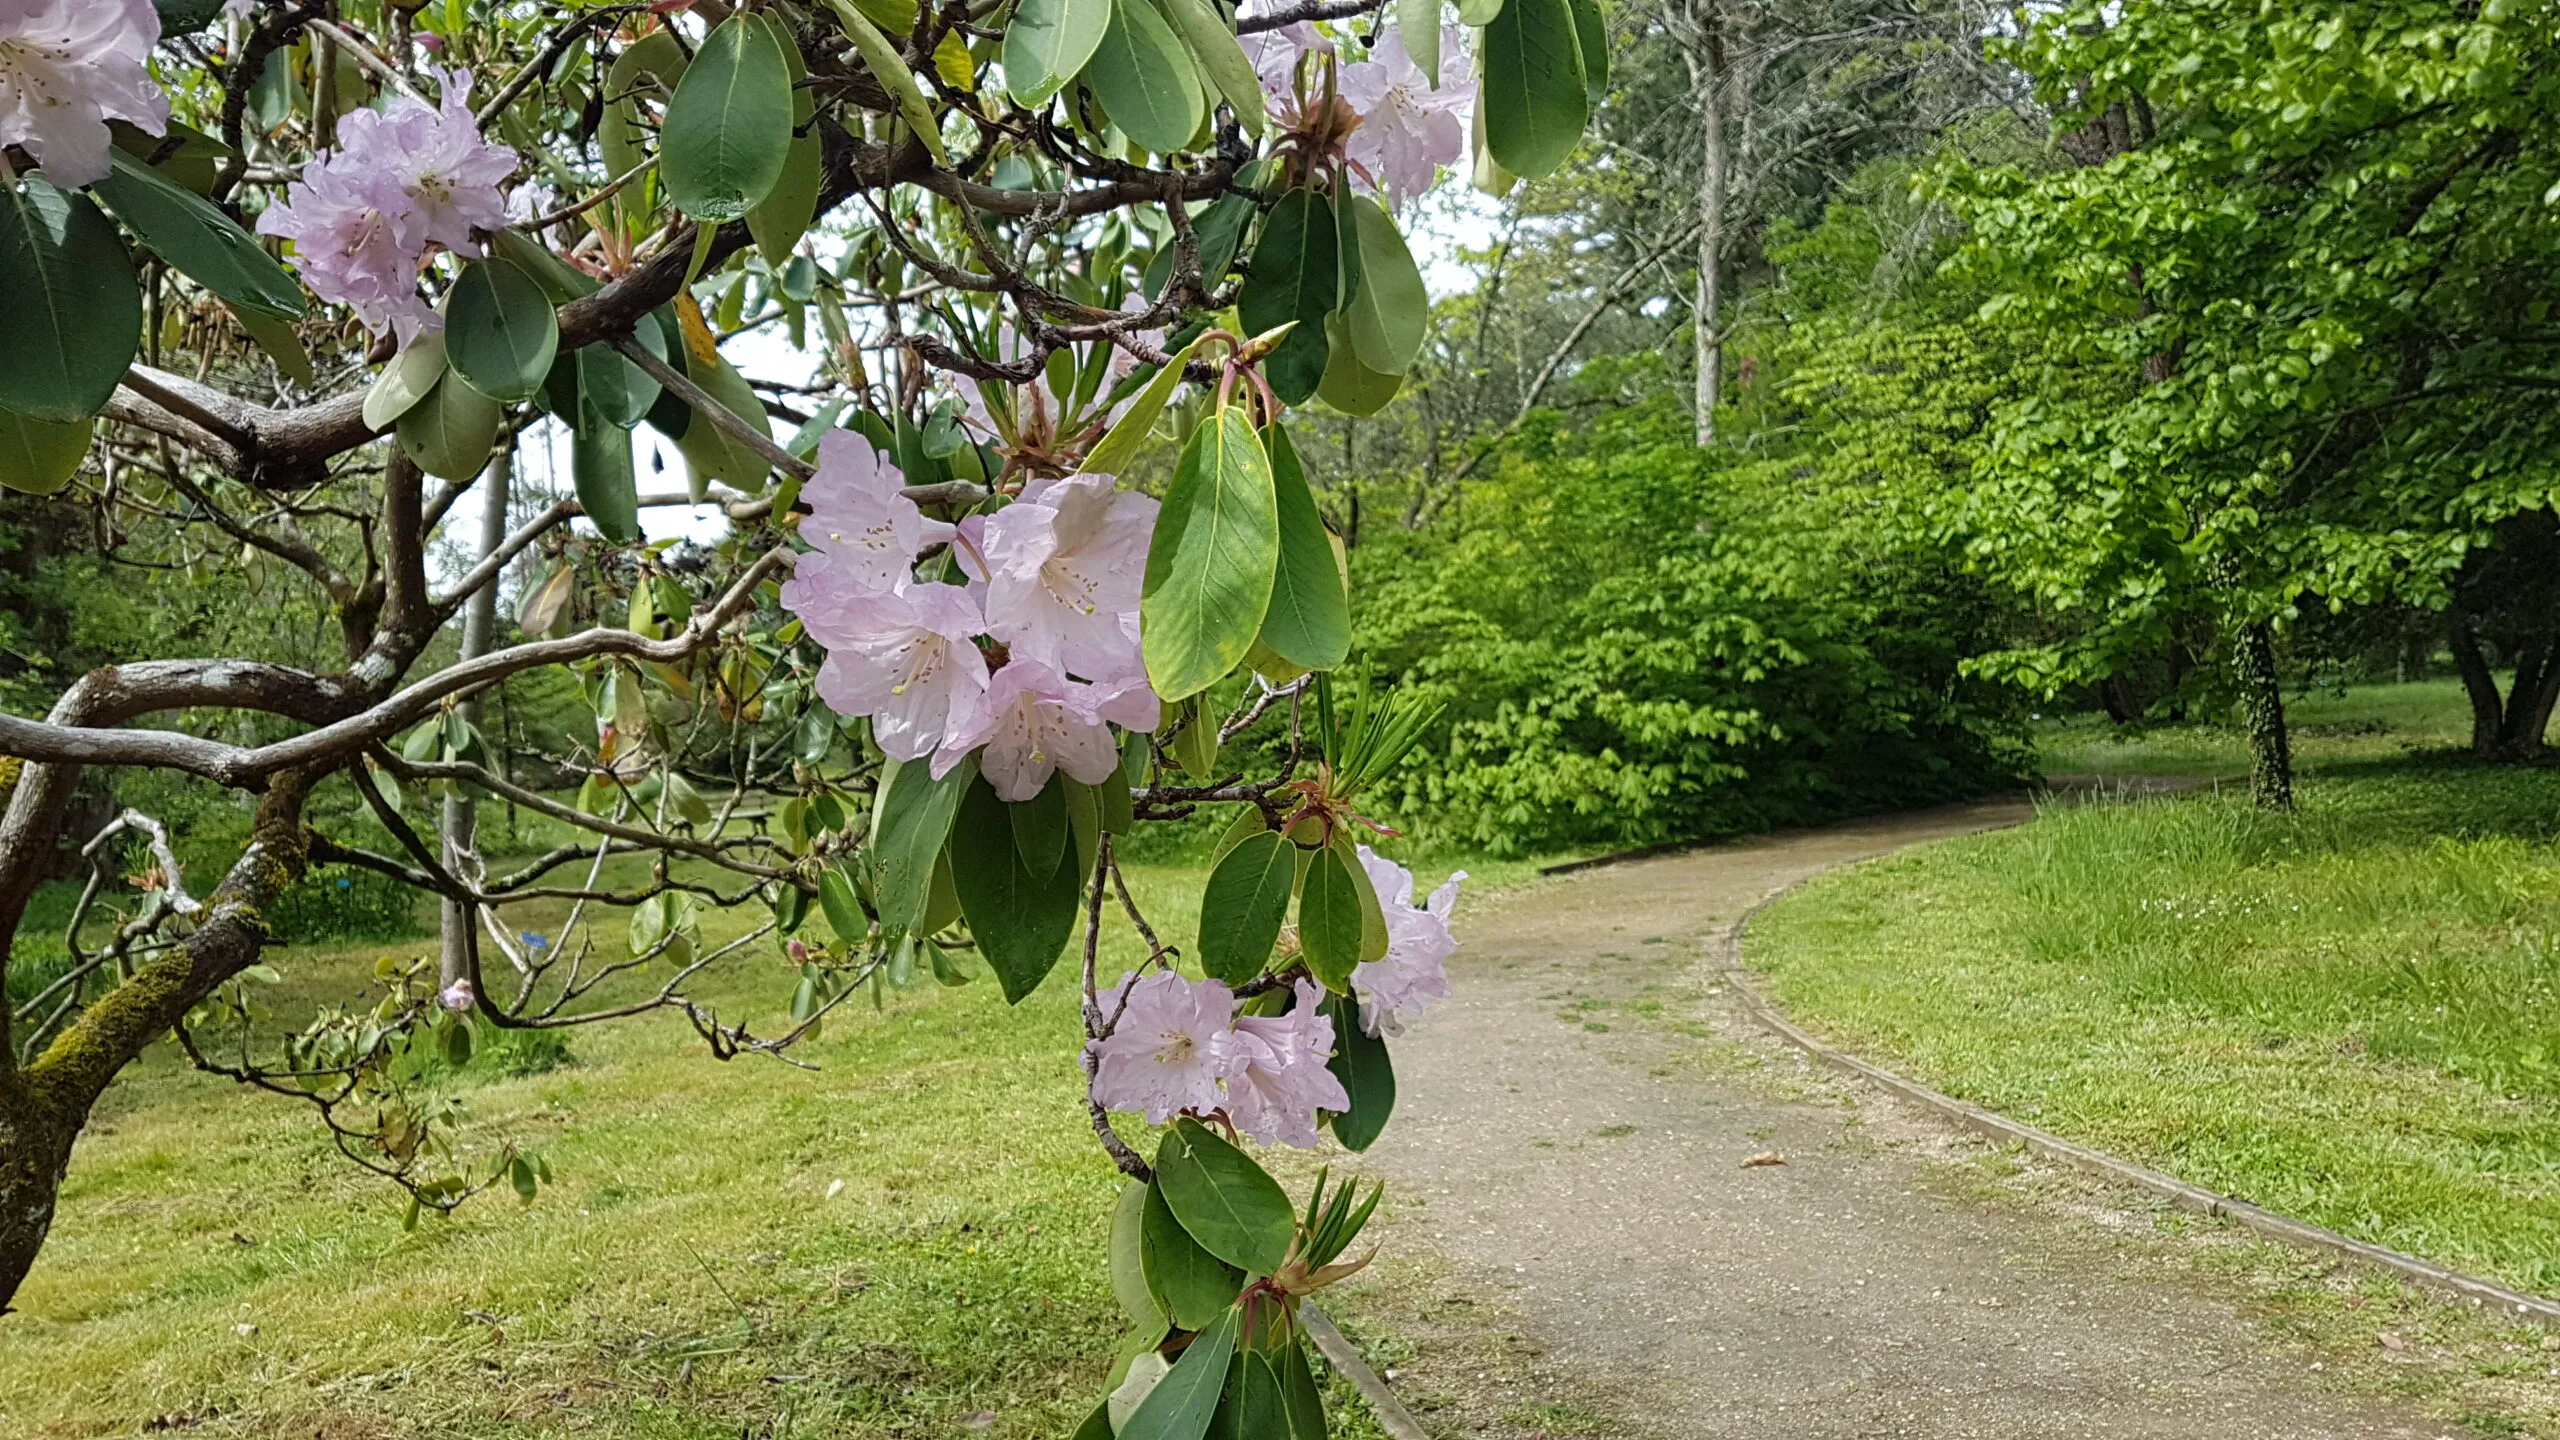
x=293 y=283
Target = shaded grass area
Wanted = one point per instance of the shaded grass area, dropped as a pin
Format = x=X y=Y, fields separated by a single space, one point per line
x=905 y=1242
x=2351 y=1015
x=2329 y=728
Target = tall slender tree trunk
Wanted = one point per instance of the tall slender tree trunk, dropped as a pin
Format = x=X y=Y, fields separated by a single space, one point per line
x=1707 y=82
x=2262 y=692
x=2488 y=711
x=479 y=628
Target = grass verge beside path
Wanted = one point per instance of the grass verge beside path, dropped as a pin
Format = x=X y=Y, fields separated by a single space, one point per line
x=2351 y=1015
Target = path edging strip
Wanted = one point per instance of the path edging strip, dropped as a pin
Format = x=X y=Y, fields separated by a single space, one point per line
x=2514 y=1304
x=1342 y=1355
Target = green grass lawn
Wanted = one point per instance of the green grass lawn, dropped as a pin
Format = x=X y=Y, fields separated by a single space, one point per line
x=2351 y=1015
x=904 y=1242
x=2368 y=722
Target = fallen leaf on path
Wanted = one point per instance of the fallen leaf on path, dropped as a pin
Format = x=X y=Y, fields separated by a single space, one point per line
x=2391 y=1341
x=1765 y=1157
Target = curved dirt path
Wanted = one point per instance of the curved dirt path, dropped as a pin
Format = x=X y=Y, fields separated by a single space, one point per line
x=1579 y=1162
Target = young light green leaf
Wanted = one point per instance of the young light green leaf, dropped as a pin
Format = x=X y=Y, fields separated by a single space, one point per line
x=1213 y=47
x=1048 y=42
x=1190 y=1285
x=1360 y=1062
x=198 y=240
x=38 y=457
x=1389 y=316
x=1211 y=565
x=1119 y=445
x=500 y=332
x=1183 y=1403
x=408 y=379
x=1309 y=622
x=1534 y=98
x=1329 y=919
x=1224 y=1200
x=1145 y=79
x=1296 y=275
x=1022 y=921
x=74 y=309
x=1243 y=904
x=450 y=433
x=728 y=128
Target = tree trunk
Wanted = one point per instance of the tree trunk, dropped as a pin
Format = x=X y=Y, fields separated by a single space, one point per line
x=35 y=1150
x=2262 y=691
x=479 y=627
x=2536 y=705
x=2520 y=729
x=1706 y=81
x=2488 y=712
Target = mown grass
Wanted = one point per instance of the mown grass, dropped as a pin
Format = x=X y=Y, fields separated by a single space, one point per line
x=2329 y=727
x=2351 y=1014
x=903 y=1242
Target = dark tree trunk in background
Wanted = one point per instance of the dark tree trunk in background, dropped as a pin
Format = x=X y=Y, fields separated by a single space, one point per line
x=2513 y=724
x=2270 y=747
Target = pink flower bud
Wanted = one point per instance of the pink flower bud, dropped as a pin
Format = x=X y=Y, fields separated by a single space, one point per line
x=799 y=951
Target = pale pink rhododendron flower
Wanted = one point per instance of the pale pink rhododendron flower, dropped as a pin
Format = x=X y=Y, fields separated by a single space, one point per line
x=1398 y=987
x=457 y=997
x=867 y=533
x=402 y=179
x=906 y=657
x=1064 y=568
x=1036 y=722
x=1284 y=1081
x=67 y=67
x=1171 y=1048
x=1275 y=55
x=1408 y=130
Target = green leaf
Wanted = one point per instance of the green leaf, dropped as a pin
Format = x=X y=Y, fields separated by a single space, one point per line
x=842 y=908
x=1418 y=25
x=711 y=452
x=1256 y=1408
x=1309 y=622
x=1191 y=1286
x=1040 y=827
x=1096 y=1426
x=500 y=333
x=1183 y=1402
x=1360 y=1062
x=1299 y=1395
x=198 y=240
x=786 y=211
x=1128 y=1263
x=1243 y=904
x=1534 y=98
x=1329 y=919
x=409 y=378
x=1084 y=819
x=1593 y=27
x=74 y=310
x=1296 y=275
x=1236 y=1212
x=1213 y=47
x=38 y=457
x=450 y=433
x=1022 y=921
x=1389 y=316
x=910 y=820
x=790 y=907
x=1374 y=938
x=1113 y=452
x=1211 y=565
x=600 y=464
x=623 y=137
x=1145 y=79
x=620 y=393
x=1478 y=13
x=942 y=901
x=1048 y=42
x=882 y=60
x=1348 y=385
x=728 y=128
x=281 y=342
x=1247 y=824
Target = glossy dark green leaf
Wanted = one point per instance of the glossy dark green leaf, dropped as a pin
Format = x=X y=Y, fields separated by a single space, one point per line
x=38 y=457
x=1368 y=1076
x=1392 y=312
x=500 y=332
x=1299 y=1395
x=1254 y=1406
x=785 y=213
x=620 y=392
x=1128 y=1260
x=649 y=67
x=1329 y=919
x=1348 y=385
x=1048 y=42
x=450 y=433
x=73 y=308
x=1183 y=1402
x=600 y=465
x=1191 y=1286
x=1236 y=1211
x=1295 y=274
x=1243 y=905
x=1213 y=559
x=728 y=129
x=1145 y=79
x=1040 y=827
x=1592 y=26
x=198 y=240
x=1221 y=229
x=711 y=451
x=1022 y=921
x=842 y=908
x=790 y=908
x=909 y=823
x=1309 y=622
x=1534 y=97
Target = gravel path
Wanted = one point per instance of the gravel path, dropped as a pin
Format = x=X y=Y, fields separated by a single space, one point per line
x=1589 y=1169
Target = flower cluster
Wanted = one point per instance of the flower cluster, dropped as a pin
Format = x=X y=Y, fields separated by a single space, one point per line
x=1052 y=584
x=402 y=179
x=67 y=67
x=1178 y=1047
x=1392 y=125
x=1397 y=987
